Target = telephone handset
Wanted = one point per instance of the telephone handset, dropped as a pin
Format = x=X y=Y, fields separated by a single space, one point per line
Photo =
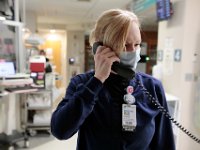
x=119 y=68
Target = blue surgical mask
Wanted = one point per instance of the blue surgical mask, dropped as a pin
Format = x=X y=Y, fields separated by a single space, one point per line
x=130 y=59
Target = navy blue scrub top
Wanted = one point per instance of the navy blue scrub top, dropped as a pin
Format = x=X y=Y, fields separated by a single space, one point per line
x=94 y=110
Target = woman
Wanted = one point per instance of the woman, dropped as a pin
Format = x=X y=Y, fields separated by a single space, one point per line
x=111 y=111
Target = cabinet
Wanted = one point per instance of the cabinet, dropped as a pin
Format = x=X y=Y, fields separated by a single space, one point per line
x=37 y=111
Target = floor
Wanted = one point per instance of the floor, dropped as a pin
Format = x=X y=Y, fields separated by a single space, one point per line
x=50 y=143
x=69 y=144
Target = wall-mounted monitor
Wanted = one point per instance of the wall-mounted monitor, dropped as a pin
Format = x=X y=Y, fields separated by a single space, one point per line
x=163 y=9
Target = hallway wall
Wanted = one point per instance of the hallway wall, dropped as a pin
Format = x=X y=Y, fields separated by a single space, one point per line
x=180 y=78
x=75 y=50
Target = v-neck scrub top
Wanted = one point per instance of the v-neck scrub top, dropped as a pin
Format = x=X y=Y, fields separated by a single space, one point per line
x=94 y=110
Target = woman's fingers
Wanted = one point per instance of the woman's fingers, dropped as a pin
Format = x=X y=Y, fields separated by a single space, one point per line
x=104 y=59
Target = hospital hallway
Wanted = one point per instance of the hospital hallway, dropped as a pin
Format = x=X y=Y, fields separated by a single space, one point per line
x=47 y=49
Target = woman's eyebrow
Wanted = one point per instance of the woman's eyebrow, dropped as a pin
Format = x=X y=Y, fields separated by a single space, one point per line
x=138 y=41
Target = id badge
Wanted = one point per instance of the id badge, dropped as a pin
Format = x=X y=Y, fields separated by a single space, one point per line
x=129 y=120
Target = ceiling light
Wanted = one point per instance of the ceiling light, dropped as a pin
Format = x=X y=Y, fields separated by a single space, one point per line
x=52 y=31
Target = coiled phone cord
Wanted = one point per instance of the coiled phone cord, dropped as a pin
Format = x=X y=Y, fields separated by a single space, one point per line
x=166 y=113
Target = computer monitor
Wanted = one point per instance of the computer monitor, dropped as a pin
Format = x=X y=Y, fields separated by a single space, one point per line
x=8 y=71
x=7 y=68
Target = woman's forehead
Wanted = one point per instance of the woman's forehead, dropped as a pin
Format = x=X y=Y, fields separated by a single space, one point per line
x=133 y=33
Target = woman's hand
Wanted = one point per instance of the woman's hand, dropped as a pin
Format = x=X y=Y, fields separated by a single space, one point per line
x=104 y=59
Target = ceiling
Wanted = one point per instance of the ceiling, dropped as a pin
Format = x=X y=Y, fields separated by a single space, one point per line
x=78 y=13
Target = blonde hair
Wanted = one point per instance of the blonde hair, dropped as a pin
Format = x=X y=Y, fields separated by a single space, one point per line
x=111 y=28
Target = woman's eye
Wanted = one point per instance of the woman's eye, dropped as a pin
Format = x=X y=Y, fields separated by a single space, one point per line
x=126 y=45
x=130 y=46
x=141 y=45
x=136 y=45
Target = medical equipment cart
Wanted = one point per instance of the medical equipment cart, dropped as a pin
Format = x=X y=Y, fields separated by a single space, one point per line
x=37 y=111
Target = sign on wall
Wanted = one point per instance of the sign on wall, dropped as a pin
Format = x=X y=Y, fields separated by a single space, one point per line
x=160 y=55
x=168 y=58
x=177 y=55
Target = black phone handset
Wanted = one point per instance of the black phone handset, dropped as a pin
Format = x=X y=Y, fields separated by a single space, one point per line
x=166 y=113
x=119 y=68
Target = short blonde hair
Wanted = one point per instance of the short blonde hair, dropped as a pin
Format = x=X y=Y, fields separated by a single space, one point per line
x=111 y=28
